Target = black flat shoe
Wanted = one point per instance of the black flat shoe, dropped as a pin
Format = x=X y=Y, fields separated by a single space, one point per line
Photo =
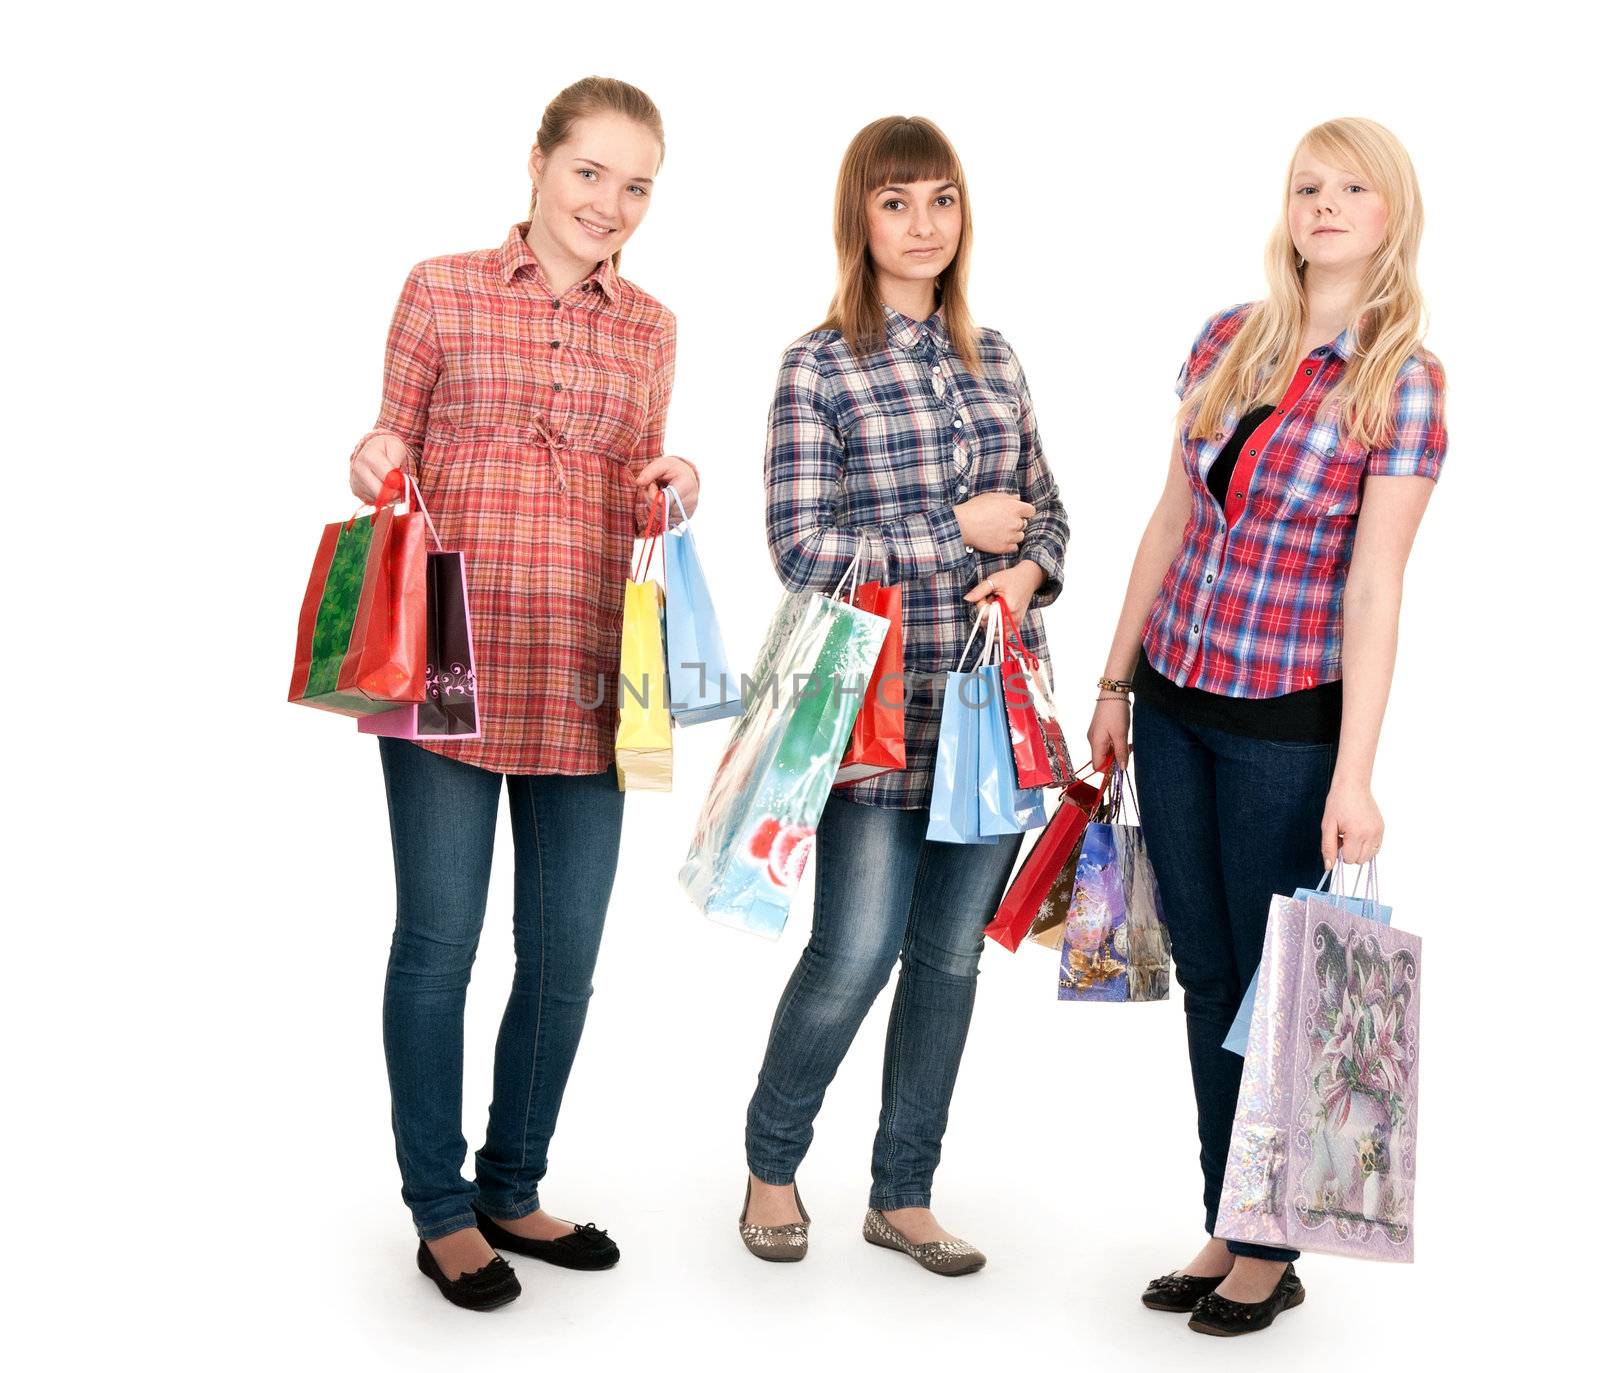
x=588 y=1248
x=1214 y=1315
x=493 y=1285
x=1177 y=1291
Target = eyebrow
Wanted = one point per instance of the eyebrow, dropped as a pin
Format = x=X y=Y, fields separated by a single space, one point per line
x=1312 y=176
x=939 y=190
x=601 y=167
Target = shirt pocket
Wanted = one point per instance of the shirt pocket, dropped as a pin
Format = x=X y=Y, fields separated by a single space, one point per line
x=1323 y=476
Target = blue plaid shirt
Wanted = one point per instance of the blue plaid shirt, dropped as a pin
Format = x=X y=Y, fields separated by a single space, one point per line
x=874 y=453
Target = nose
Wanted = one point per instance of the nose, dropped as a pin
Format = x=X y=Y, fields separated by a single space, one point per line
x=922 y=224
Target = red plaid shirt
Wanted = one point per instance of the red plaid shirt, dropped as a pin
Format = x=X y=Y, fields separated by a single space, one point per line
x=1253 y=603
x=527 y=417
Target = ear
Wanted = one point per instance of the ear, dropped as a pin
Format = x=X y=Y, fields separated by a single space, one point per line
x=536 y=163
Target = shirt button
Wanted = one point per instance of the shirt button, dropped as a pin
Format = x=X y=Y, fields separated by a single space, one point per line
x=1252 y=452
x=956 y=422
x=558 y=386
x=1238 y=495
x=962 y=489
x=1280 y=409
x=555 y=343
x=1208 y=579
x=1194 y=629
x=1308 y=371
x=555 y=304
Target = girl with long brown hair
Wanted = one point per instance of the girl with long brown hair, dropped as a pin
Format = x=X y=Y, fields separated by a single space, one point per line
x=904 y=434
x=526 y=389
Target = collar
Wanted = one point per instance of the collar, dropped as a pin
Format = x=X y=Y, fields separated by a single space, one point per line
x=915 y=335
x=1341 y=348
x=515 y=256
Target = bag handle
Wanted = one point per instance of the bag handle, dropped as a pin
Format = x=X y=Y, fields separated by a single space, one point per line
x=676 y=500
x=852 y=574
x=398 y=485
x=650 y=538
x=984 y=618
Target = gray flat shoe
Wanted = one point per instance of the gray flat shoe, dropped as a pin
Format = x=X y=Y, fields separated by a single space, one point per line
x=949 y=1258
x=776 y=1243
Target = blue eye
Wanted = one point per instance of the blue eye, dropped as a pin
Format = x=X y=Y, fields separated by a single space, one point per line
x=639 y=190
x=586 y=171
x=1306 y=190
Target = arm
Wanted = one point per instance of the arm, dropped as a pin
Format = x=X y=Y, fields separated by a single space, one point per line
x=804 y=475
x=410 y=370
x=1397 y=485
x=1045 y=543
x=646 y=464
x=1163 y=537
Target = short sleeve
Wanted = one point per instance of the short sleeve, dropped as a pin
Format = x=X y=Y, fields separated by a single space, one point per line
x=1209 y=344
x=1417 y=445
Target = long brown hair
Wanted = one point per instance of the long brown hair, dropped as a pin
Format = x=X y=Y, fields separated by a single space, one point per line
x=888 y=152
x=1261 y=359
x=594 y=95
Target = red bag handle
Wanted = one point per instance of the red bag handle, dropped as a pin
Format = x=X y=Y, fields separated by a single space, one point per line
x=651 y=537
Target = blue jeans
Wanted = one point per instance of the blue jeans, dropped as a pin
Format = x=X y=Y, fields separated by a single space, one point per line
x=884 y=893
x=1230 y=821
x=442 y=818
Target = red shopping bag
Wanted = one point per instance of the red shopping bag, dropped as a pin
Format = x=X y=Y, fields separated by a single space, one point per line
x=361 y=644
x=1037 y=743
x=878 y=741
x=1044 y=863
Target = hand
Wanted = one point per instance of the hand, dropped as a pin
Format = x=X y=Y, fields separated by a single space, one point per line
x=1108 y=731
x=1351 y=824
x=373 y=461
x=993 y=522
x=1014 y=585
x=679 y=474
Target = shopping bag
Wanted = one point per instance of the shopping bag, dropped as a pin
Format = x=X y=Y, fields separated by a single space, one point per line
x=1037 y=742
x=1238 y=1037
x=1114 y=942
x=361 y=643
x=702 y=689
x=451 y=708
x=644 y=723
x=1050 y=922
x=758 y=823
x=953 y=801
x=1003 y=806
x=1041 y=868
x=878 y=741
x=1323 y=1151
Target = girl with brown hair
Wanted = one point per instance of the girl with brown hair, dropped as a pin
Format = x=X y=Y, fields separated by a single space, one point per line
x=904 y=433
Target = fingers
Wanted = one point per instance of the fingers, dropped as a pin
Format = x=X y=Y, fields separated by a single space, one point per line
x=1361 y=846
x=1330 y=842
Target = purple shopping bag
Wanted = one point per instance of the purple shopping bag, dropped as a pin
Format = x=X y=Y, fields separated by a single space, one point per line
x=1324 y=1145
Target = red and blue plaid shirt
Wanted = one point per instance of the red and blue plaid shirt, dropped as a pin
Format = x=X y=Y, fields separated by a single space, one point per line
x=874 y=453
x=1253 y=603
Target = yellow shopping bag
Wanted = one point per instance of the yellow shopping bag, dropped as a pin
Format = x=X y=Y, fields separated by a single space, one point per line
x=644 y=723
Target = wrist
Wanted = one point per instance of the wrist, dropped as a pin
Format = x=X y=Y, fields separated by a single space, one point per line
x=1351 y=777
x=1035 y=571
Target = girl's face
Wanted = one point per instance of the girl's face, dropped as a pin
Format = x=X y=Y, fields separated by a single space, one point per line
x=913 y=231
x=595 y=187
x=1336 y=218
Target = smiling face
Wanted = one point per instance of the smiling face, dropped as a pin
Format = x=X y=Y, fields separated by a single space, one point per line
x=913 y=230
x=595 y=187
x=1337 y=217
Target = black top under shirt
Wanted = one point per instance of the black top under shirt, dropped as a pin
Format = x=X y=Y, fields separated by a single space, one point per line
x=1308 y=716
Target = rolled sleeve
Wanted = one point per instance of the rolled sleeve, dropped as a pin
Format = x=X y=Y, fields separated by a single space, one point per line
x=410 y=368
x=1417 y=444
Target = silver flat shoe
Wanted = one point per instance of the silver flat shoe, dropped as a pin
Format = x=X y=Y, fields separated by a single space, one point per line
x=776 y=1243
x=949 y=1258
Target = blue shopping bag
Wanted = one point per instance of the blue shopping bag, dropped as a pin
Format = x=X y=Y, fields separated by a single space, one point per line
x=1239 y=1031
x=702 y=688
x=1003 y=806
x=953 y=804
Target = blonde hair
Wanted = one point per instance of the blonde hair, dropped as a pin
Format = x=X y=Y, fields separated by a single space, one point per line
x=888 y=152
x=1257 y=366
x=594 y=95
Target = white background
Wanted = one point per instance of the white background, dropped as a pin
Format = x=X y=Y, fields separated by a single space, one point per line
x=212 y=211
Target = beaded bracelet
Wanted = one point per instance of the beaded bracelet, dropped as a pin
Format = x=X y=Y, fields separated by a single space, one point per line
x=1111 y=684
